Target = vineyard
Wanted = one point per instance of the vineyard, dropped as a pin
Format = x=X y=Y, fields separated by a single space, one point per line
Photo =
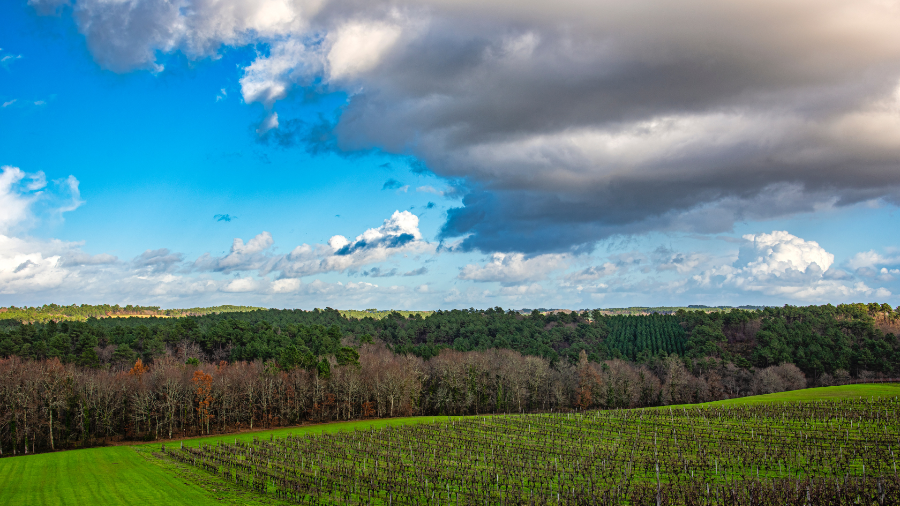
x=825 y=452
x=631 y=335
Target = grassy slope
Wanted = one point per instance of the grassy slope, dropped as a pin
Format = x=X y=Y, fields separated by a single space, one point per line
x=116 y=475
x=817 y=394
x=131 y=475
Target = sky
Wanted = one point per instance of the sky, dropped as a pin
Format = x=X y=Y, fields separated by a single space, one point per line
x=426 y=154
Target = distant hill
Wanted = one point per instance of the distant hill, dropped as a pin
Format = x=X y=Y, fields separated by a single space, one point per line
x=58 y=313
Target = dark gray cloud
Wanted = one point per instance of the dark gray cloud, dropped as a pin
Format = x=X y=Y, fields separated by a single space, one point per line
x=572 y=121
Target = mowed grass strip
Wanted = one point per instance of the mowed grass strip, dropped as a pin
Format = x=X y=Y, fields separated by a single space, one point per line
x=112 y=475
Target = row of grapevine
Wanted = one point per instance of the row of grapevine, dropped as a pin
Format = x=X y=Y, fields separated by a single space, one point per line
x=631 y=335
x=838 y=452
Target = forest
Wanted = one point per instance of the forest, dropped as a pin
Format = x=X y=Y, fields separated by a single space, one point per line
x=79 y=383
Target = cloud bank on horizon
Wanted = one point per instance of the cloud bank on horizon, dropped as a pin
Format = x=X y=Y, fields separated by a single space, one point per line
x=559 y=126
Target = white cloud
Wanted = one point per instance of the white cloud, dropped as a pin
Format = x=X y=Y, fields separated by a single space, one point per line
x=513 y=268
x=270 y=122
x=9 y=103
x=399 y=234
x=25 y=268
x=515 y=292
x=63 y=270
x=8 y=59
x=268 y=79
x=357 y=47
x=871 y=259
x=15 y=201
x=241 y=285
x=429 y=189
x=287 y=285
x=158 y=260
x=778 y=253
x=781 y=264
x=243 y=257
x=78 y=257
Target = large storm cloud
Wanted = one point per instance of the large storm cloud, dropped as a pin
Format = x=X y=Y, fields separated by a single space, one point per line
x=571 y=121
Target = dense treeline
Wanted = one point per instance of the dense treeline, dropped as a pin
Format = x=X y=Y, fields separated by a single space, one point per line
x=48 y=405
x=72 y=383
x=849 y=338
x=821 y=340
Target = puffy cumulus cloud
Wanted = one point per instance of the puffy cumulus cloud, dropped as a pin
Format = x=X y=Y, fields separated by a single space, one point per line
x=27 y=266
x=400 y=229
x=781 y=264
x=398 y=235
x=780 y=253
x=515 y=268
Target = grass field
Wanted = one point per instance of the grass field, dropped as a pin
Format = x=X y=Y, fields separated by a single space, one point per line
x=132 y=475
x=115 y=475
x=814 y=394
x=125 y=475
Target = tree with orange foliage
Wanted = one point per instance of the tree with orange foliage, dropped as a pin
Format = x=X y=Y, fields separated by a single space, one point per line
x=204 y=398
x=138 y=370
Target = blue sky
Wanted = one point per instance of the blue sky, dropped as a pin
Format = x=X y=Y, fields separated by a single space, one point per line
x=423 y=156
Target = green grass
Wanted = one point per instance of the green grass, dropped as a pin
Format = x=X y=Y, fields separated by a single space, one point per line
x=816 y=394
x=124 y=475
x=114 y=475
